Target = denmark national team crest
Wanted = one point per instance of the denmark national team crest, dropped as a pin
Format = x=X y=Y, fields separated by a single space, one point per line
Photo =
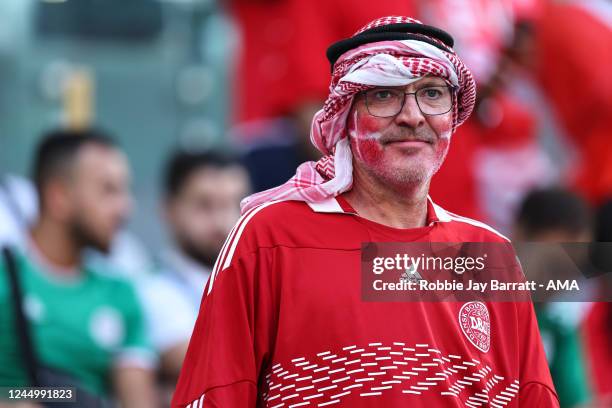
x=476 y=324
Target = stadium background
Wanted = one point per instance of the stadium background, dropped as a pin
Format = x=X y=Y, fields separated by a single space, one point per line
x=245 y=76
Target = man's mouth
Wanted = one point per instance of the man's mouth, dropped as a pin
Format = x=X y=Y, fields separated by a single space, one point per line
x=409 y=142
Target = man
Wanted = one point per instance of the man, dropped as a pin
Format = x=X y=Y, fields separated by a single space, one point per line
x=555 y=216
x=84 y=325
x=201 y=204
x=282 y=322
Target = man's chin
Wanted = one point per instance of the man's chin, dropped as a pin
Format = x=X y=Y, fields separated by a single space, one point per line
x=204 y=256
x=408 y=176
x=104 y=248
x=101 y=244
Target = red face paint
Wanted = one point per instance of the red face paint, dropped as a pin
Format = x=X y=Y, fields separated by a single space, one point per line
x=396 y=161
x=370 y=151
x=365 y=138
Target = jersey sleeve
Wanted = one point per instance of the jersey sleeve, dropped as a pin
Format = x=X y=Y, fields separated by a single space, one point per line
x=232 y=337
x=136 y=349
x=536 y=385
x=169 y=315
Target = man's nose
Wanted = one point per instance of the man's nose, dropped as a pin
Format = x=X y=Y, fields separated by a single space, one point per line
x=411 y=114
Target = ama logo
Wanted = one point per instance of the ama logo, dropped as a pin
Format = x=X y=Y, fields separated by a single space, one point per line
x=476 y=325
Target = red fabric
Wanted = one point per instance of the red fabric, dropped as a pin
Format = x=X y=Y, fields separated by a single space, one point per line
x=527 y=9
x=597 y=348
x=456 y=186
x=516 y=125
x=575 y=56
x=263 y=88
x=281 y=63
x=285 y=298
x=537 y=395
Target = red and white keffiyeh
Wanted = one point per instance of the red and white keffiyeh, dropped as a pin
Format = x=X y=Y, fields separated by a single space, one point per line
x=384 y=63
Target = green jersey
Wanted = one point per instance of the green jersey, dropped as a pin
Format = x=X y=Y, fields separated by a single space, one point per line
x=81 y=326
x=560 y=329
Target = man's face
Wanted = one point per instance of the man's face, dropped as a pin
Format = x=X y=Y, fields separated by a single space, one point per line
x=99 y=195
x=205 y=209
x=402 y=150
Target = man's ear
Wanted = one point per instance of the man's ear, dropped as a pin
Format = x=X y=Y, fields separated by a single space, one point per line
x=58 y=200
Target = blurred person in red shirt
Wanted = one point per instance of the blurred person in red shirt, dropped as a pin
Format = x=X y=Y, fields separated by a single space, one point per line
x=282 y=75
x=573 y=41
x=480 y=178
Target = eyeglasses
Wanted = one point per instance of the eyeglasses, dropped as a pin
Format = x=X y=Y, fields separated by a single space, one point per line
x=388 y=102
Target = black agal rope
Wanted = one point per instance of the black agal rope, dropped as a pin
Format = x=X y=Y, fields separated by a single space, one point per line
x=392 y=32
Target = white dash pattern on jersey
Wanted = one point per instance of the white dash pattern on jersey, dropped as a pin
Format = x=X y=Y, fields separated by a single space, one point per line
x=371 y=370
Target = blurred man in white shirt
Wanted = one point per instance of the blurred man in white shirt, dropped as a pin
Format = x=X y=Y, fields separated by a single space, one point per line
x=202 y=193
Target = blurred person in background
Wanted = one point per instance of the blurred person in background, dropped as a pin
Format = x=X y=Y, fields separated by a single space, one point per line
x=202 y=193
x=573 y=59
x=281 y=78
x=82 y=327
x=558 y=216
x=598 y=324
x=479 y=178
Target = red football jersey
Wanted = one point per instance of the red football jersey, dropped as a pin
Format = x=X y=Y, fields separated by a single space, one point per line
x=282 y=324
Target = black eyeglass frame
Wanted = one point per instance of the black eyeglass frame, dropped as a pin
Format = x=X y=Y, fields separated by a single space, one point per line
x=453 y=91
